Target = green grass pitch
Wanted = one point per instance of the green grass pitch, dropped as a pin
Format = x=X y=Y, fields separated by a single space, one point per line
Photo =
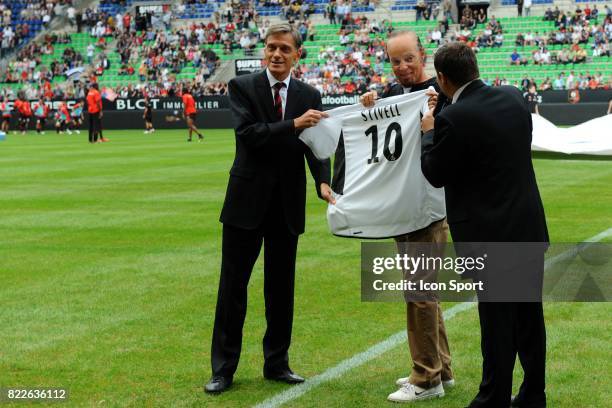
x=109 y=265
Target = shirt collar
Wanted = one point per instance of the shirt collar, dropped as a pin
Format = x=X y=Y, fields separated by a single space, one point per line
x=273 y=80
x=458 y=91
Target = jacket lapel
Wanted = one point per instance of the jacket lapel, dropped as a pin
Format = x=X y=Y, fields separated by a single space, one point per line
x=293 y=95
x=263 y=88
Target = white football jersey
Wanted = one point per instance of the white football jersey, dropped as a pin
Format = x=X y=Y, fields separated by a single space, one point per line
x=384 y=193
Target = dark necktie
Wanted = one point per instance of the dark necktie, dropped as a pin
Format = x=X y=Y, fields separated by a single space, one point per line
x=278 y=101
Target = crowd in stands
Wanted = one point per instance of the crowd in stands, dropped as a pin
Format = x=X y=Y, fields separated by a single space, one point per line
x=434 y=10
x=26 y=67
x=152 y=54
x=20 y=19
x=563 y=81
x=353 y=61
x=575 y=31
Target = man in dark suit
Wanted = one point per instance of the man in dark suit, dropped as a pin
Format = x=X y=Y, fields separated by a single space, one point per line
x=479 y=150
x=431 y=369
x=265 y=204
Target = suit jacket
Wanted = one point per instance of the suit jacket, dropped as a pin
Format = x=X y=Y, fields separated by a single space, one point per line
x=480 y=152
x=268 y=169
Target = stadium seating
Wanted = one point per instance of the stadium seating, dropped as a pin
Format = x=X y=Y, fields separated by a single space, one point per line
x=34 y=23
x=534 y=2
x=266 y=11
x=494 y=62
x=199 y=10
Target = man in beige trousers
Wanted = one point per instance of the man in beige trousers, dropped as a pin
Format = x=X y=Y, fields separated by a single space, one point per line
x=431 y=360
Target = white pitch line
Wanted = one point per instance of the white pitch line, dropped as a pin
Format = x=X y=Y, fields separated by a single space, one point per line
x=375 y=351
x=600 y=236
x=348 y=364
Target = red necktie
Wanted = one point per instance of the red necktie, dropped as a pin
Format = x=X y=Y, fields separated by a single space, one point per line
x=278 y=102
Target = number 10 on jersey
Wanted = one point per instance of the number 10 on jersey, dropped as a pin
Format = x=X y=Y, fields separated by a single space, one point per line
x=393 y=127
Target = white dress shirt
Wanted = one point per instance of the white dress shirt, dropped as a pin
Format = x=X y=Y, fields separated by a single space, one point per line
x=458 y=91
x=283 y=91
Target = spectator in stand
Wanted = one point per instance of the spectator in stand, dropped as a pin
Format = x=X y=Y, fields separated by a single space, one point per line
x=481 y=16
x=436 y=36
x=548 y=15
x=546 y=84
x=527 y=7
x=545 y=57
x=559 y=82
x=467 y=18
x=498 y=40
x=330 y=11
x=516 y=59
x=537 y=57
x=420 y=8
x=563 y=57
x=578 y=54
x=532 y=99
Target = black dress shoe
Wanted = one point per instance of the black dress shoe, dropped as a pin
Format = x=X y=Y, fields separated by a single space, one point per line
x=518 y=402
x=218 y=384
x=286 y=376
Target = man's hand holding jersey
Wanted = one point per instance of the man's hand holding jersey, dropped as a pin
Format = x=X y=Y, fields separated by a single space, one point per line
x=327 y=194
x=309 y=119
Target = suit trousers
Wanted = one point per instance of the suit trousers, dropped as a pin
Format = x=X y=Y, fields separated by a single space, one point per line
x=240 y=250
x=427 y=340
x=508 y=329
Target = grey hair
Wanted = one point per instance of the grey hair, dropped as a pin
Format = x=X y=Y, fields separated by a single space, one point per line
x=283 y=28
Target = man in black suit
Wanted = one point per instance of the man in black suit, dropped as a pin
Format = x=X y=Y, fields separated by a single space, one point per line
x=265 y=204
x=479 y=150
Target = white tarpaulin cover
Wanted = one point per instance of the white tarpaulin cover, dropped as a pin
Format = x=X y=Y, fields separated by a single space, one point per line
x=592 y=137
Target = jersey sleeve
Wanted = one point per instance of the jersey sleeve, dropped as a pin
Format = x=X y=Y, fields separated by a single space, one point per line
x=323 y=138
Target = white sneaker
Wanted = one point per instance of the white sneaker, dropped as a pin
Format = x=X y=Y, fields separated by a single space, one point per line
x=406 y=380
x=449 y=383
x=78 y=132
x=410 y=392
x=69 y=131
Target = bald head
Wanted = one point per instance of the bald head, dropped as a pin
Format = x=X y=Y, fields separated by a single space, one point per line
x=405 y=35
x=407 y=57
